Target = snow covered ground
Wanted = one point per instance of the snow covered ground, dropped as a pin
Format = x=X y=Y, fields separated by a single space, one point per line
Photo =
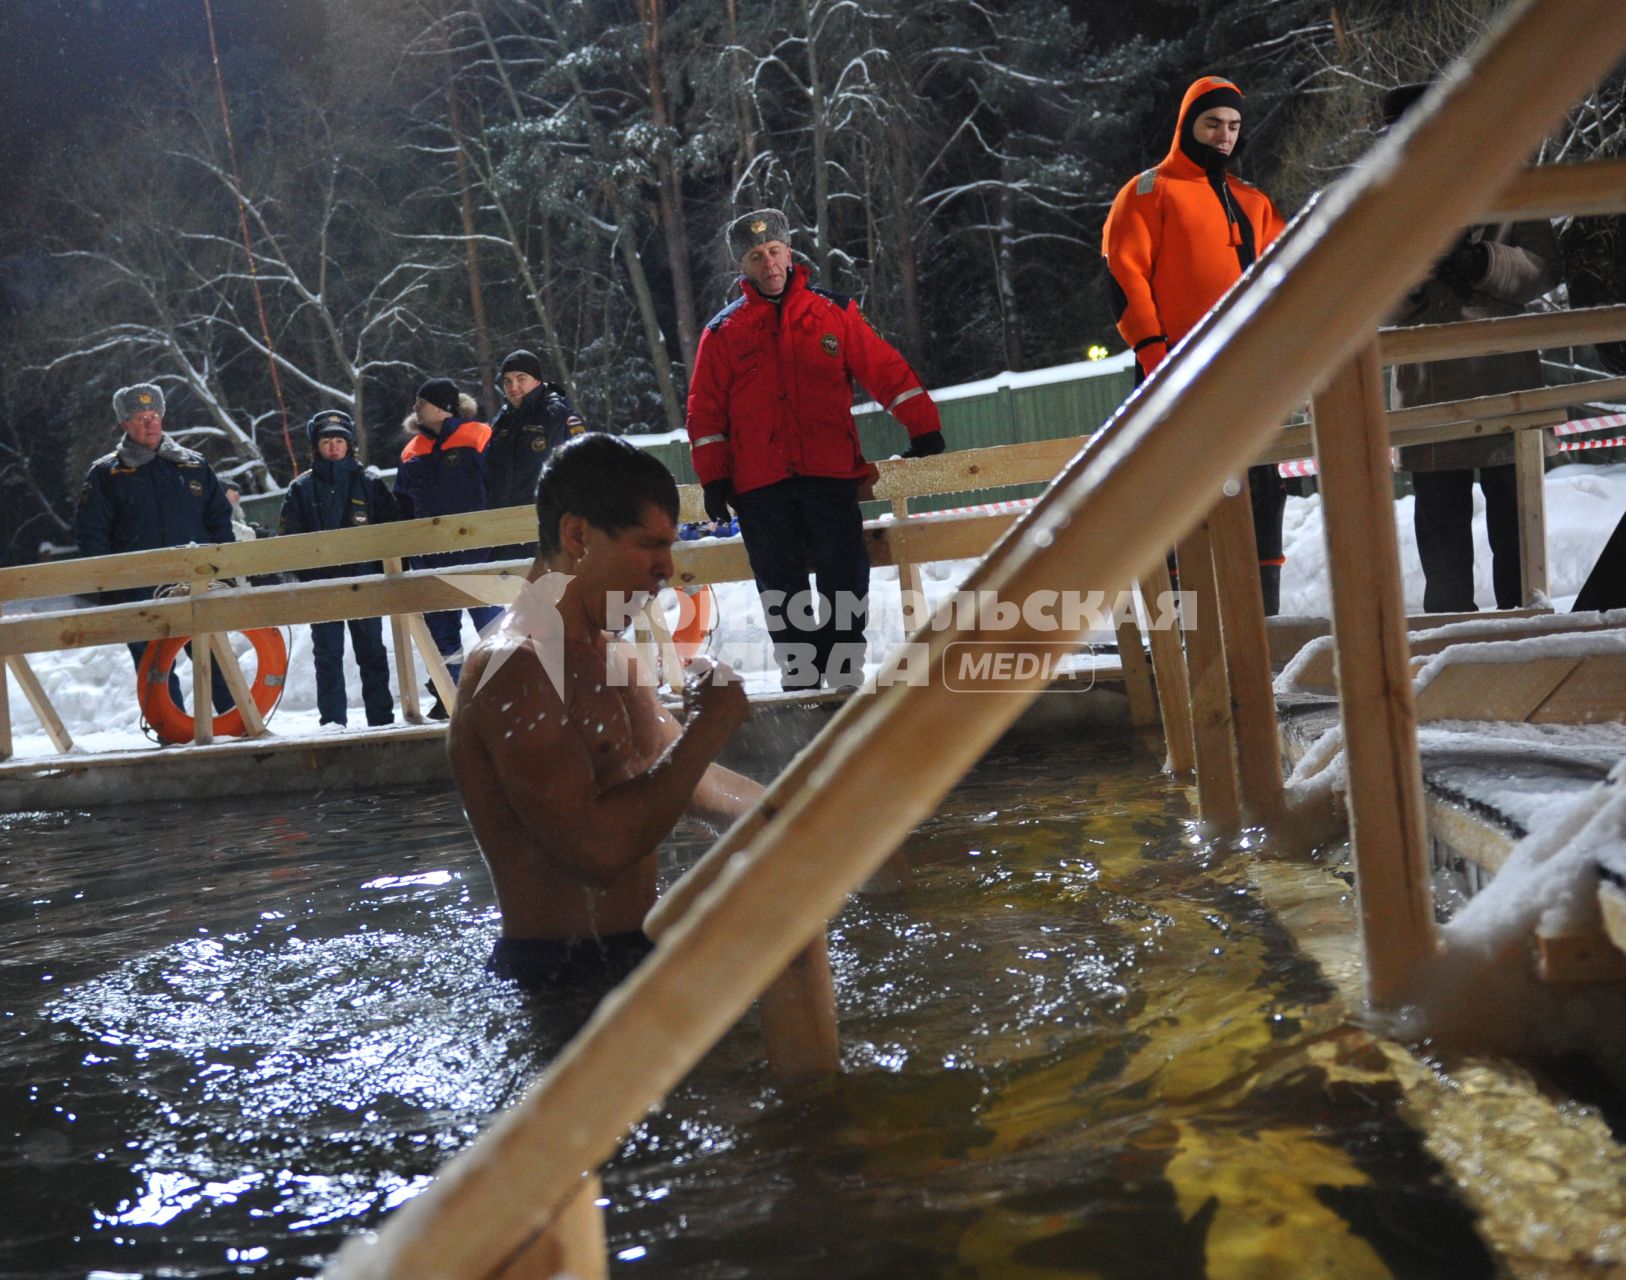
x=94 y=689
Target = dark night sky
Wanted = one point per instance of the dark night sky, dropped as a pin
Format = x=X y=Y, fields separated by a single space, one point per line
x=66 y=61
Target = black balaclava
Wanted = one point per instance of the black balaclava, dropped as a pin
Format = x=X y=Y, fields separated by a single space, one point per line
x=1214 y=162
x=1210 y=159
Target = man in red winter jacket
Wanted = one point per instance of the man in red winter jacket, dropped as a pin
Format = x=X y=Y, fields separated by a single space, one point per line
x=772 y=433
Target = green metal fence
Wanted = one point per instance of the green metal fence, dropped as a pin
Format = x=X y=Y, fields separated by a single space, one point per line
x=1048 y=404
x=1073 y=403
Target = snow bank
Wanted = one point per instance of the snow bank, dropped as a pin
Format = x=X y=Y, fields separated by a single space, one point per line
x=1482 y=987
x=1583 y=505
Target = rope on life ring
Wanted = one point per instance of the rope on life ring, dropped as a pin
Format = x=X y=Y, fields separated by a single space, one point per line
x=694 y=630
x=173 y=724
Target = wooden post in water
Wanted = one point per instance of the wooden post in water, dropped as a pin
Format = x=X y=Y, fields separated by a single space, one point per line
x=1169 y=669
x=1212 y=729
x=1530 y=470
x=572 y=1245
x=1387 y=824
x=799 y=1016
x=1137 y=672
x=1247 y=659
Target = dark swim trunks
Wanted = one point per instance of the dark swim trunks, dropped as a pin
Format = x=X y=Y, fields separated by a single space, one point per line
x=541 y=963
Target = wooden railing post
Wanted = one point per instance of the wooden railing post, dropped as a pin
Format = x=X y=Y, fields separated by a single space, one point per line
x=34 y=691
x=406 y=667
x=1247 y=659
x=439 y=676
x=663 y=653
x=1386 y=817
x=1169 y=670
x=1530 y=471
x=203 y=704
x=221 y=651
x=911 y=589
x=1137 y=671
x=1212 y=728
x=5 y=707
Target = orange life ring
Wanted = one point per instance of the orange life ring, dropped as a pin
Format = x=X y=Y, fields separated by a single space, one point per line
x=692 y=632
x=173 y=724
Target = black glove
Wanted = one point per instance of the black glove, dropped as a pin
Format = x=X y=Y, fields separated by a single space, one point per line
x=718 y=494
x=925 y=445
x=1463 y=268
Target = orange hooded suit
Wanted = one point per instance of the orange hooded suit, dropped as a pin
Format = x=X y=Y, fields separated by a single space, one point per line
x=1181 y=234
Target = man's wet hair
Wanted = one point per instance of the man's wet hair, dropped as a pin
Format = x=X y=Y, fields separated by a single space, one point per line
x=606 y=481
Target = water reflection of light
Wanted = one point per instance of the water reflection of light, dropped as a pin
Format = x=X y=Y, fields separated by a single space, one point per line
x=399 y=882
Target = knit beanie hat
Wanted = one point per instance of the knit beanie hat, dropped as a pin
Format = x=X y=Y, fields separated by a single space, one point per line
x=440 y=392
x=520 y=361
x=129 y=401
x=331 y=422
x=757 y=227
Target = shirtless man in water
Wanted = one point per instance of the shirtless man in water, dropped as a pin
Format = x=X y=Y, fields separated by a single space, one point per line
x=570 y=788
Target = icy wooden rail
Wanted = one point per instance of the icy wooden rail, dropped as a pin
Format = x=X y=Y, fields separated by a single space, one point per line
x=1204 y=415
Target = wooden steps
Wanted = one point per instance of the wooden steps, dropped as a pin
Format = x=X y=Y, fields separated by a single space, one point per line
x=1559 y=670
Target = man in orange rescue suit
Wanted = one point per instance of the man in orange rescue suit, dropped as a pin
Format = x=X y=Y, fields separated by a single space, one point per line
x=771 y=427
x=1181 y=234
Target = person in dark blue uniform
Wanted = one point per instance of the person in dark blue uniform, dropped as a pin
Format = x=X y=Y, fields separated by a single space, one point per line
x=537 y=419
x=147 y=494
x=442 y=473
x=338 y=493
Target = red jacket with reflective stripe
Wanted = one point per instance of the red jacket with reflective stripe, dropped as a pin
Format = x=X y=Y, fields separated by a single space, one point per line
x=771 y=396
x=1170 y=242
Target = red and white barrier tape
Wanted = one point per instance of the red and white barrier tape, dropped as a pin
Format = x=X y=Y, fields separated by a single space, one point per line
x=1307 y=467
x=1572 y=446
x=1580 y=426
x=984 y=509
x=1574 y=427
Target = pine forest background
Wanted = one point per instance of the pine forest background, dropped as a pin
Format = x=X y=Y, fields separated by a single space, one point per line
x=444 y=180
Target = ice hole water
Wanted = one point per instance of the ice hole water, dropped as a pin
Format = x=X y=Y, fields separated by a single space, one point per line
x=237 y=1032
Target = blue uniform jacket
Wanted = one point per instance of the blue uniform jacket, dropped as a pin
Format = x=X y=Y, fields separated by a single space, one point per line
x=522 y=437
x=168 y=502
x=337 y=495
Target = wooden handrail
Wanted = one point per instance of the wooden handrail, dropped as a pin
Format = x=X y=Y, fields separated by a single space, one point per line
x=1414 y=344
x=1583 y=190
x=269 y=555
x=1203 y=415
x=1031 y=463
x=333 y=599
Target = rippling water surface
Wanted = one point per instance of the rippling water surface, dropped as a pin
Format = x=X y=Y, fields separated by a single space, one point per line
x=234 y=1033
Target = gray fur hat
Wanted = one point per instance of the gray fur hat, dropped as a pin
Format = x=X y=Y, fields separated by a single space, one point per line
x=129 y=401
x=757 y=227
